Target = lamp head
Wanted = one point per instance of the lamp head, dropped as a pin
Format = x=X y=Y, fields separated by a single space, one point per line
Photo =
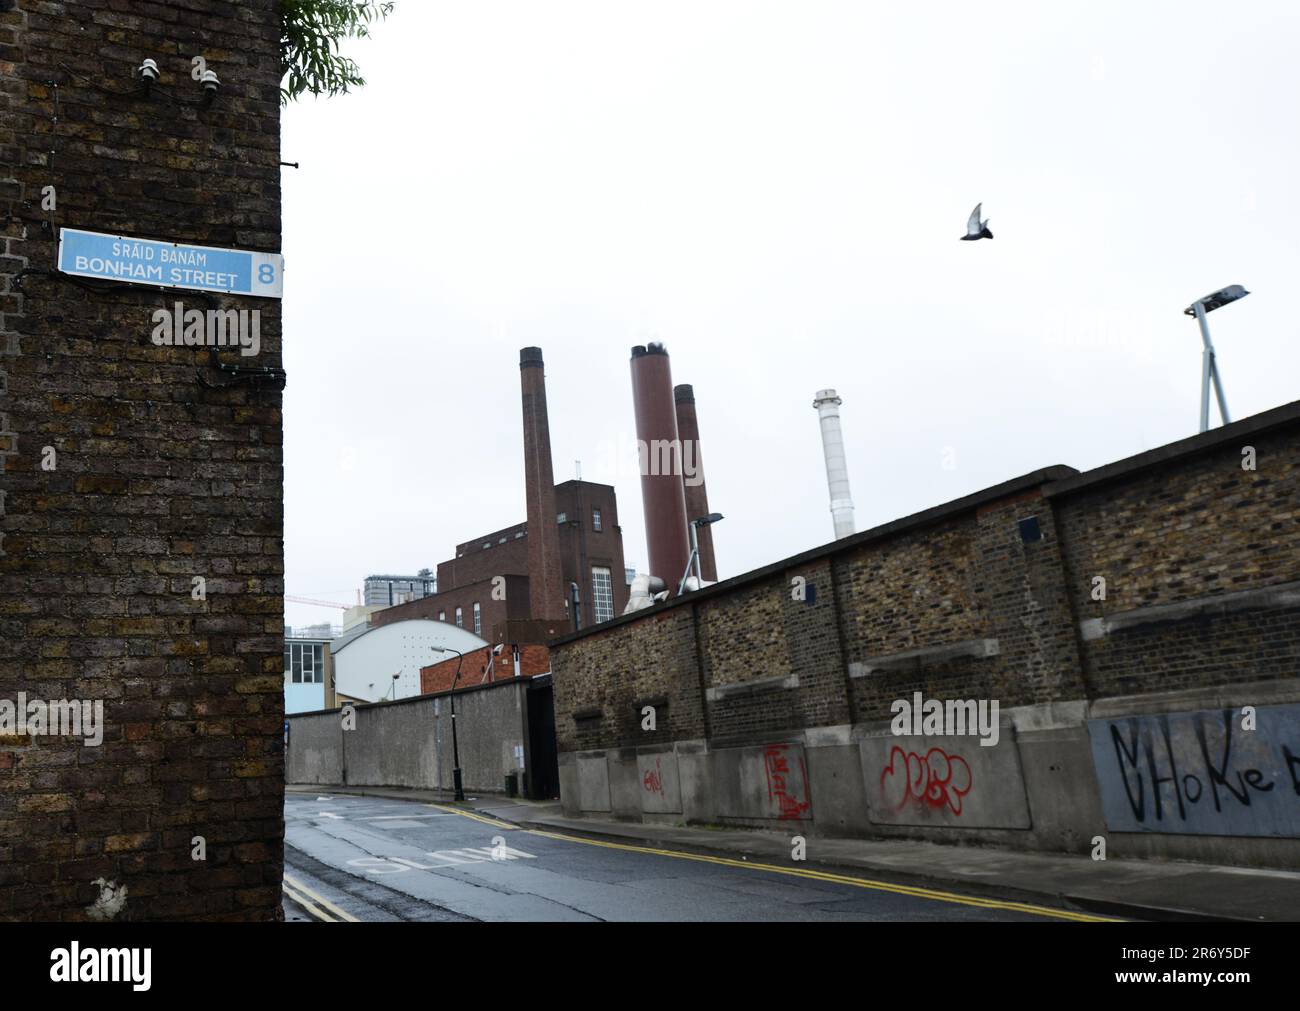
x=1218 y=299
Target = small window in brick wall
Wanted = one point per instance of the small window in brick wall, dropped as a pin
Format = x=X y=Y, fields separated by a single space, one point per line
x=1030 y=531
x=587 y=719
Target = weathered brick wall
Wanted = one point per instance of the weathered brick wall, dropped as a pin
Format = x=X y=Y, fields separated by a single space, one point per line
x=1176 y=531
x=616 y=674
x=157 y=479
x=985 y=598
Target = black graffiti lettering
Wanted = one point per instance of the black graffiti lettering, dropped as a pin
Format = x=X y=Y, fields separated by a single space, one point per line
x=1173 y=768
x=1293 y=767
x=1254 y=777
x=1218 y=775
x=1187 y=787
x=1138 y=806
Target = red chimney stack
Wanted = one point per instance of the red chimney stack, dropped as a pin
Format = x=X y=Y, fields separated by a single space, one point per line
x=662 y=492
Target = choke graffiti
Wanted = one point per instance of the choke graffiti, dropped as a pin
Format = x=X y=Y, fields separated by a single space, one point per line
x=1201 y=773
x=935 y=779
x=788 y=793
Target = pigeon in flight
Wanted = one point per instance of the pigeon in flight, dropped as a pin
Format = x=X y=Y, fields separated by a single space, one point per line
x=976 y=229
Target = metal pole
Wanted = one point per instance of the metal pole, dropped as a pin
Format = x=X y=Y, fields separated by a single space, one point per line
x=692 y=562
x=1208 y=371
x=456 y=778
x=1218 y=390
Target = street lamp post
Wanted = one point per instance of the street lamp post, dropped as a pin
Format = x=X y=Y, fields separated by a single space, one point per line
x=1209 y=367
x=456 y=779
x=693 y=562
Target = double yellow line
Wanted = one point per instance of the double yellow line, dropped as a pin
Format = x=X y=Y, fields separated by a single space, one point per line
x=316 y=905
x=842 y=879
x=474 y=815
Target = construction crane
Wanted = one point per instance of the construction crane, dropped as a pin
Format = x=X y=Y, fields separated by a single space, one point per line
x=316 y=603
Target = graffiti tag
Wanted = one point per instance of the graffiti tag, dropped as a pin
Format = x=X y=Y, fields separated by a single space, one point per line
x=1200 y=773
x=935 y=779
x=788 y=793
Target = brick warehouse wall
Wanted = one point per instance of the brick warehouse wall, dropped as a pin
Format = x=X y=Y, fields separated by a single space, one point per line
x=156 y=478
x=990 y=597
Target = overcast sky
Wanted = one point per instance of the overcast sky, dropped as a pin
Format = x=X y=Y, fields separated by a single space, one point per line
x=776 y=191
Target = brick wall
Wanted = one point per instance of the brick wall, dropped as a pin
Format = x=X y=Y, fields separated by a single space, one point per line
x=1188 y=529
x=438 y=677
x=984 y=598
x=157 y=479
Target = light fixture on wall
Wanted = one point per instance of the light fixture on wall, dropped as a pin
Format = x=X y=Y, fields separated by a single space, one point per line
x=211 y=85
x=147 y=73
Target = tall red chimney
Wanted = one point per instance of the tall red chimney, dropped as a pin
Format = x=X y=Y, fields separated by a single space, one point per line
x=545 y=581
x=697 y=496
x=662 y=492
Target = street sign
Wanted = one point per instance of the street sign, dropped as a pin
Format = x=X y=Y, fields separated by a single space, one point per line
x=170 y=264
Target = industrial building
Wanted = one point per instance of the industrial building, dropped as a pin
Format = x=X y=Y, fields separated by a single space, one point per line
x=561 y=569
x=387 y=591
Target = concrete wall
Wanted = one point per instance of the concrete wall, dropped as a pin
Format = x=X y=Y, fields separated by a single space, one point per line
x=408 y=743
x=772 y=693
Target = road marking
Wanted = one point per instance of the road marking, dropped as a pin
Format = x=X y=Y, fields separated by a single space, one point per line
x=296 y=885
x=303 y=901
x=477 y=817
x=400 y=817
x=330 y=814
x=448 y=859
x=842 y=879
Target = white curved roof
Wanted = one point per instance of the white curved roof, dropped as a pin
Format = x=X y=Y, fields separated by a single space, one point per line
x=402 y=648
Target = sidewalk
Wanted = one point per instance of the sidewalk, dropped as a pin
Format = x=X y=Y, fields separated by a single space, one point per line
x=1135 y=889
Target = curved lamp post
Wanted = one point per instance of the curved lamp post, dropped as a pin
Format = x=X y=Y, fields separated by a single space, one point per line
x=1209 y=367
x=455 y=746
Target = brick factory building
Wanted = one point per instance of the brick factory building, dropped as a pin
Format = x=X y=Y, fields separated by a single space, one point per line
x=141 y=500
x=517 y=585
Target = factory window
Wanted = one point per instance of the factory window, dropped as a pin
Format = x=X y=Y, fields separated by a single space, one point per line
x=305 y=662
x=519 y=535
x=460 y=619
x=478 y=619
x=486 y=545
x=595 y=519
x=562 y=518
x=602 y=594
x=442 y=615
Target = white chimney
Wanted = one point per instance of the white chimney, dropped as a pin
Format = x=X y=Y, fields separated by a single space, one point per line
x=837 y=468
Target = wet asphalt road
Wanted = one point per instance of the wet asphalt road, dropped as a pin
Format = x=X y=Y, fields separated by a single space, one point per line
x=370 y=858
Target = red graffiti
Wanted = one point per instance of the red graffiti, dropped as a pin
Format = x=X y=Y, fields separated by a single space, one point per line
x=937 y=780
x=653 y=779
x=789 y=796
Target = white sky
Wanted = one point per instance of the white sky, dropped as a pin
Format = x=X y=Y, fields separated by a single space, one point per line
x=776 y=191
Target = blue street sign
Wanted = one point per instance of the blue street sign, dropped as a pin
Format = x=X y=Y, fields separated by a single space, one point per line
x=170 y=264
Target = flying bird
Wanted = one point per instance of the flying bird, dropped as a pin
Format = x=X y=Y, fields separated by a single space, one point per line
x=976 y=229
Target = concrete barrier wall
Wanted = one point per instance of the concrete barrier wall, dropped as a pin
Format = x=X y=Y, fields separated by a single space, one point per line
x=409 y=743
x=1056 y=780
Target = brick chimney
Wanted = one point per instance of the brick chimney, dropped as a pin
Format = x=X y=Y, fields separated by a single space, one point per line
x=545 y=580
x=697 y=496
